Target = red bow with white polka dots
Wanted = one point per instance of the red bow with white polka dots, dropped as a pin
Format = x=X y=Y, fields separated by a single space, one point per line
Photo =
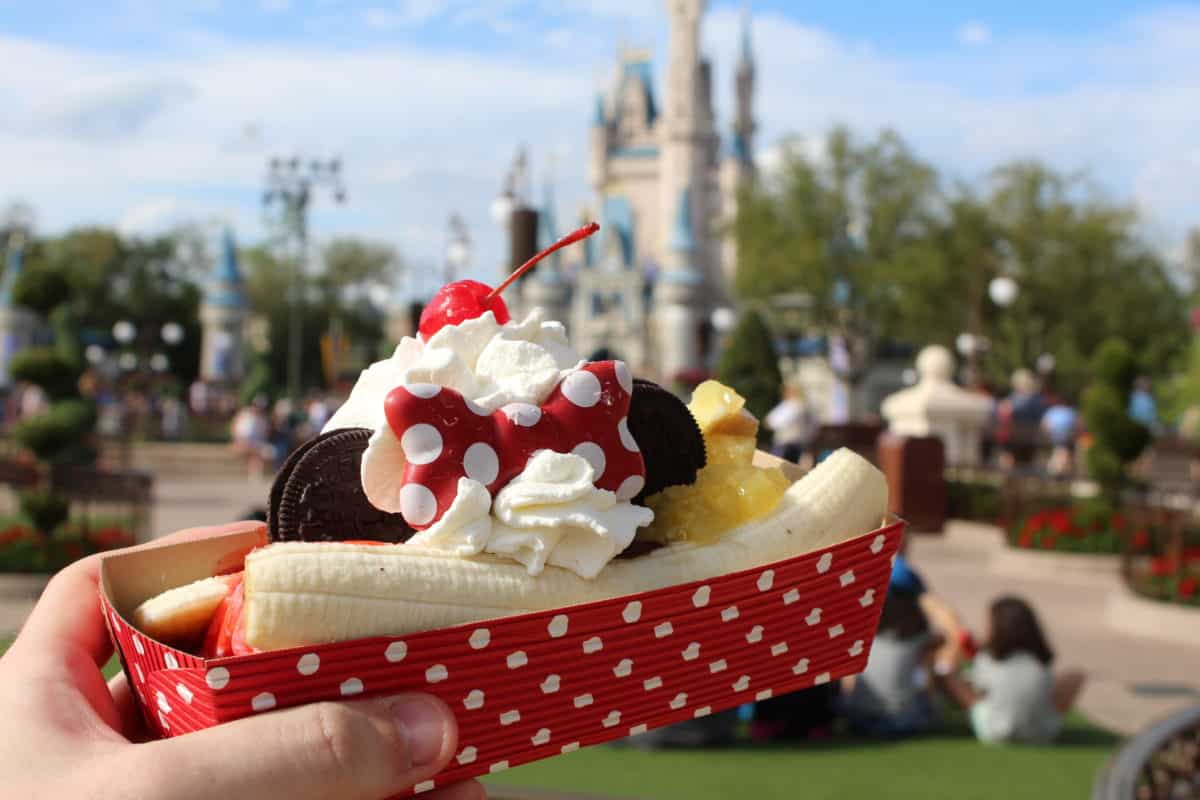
x=446 y=437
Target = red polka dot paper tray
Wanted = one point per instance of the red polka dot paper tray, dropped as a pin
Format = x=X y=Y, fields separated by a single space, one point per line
x=532 y=686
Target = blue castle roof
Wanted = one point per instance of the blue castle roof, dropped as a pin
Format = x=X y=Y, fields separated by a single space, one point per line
x=15 y=262
x=641 y=72
x=682 y=238
x=617 y=216
x=225 y=289
x=598 y=119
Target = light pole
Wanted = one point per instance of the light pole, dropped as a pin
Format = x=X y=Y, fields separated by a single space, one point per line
x=458 y=249
x=290 y=185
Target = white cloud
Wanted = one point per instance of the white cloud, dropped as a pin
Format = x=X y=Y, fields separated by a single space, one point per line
x=150 y=217
x=403 y=14
x=974 y=34
x=426 y=132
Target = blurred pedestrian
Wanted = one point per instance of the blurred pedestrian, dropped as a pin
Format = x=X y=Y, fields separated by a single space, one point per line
x=1018 y=418
x=1012 y=694
x=1060 y=423
x=791 y=423
x=250 y=430
x=172 y=418
x=1142 y=406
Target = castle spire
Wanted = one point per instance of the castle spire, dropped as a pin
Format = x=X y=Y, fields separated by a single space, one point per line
x=14 y=265
x=742 y=143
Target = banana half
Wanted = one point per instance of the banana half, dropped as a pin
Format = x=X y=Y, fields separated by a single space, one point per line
x=302 y=593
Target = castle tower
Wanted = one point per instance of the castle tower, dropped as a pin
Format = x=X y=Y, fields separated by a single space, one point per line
x=679 y=309
x=737 y=167
x=744 y=125
x=223 y=314
x=547 y=286
x=18 y=326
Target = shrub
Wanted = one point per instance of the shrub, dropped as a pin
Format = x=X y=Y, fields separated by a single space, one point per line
x=750 y=365
x=1117 y=439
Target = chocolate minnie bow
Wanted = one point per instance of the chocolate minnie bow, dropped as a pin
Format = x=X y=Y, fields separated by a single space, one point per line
x=446 y=437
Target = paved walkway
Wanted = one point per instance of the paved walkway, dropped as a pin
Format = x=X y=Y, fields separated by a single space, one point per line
x=1132 y=679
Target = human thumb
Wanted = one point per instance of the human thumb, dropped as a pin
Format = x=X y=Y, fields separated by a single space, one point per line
x=366 y=750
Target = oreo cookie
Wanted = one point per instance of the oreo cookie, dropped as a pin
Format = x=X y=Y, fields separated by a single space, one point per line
x=318 y=497
x=667 y=434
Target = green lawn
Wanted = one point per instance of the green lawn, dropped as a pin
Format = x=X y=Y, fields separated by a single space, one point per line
x=952 y=765
x=949 y=765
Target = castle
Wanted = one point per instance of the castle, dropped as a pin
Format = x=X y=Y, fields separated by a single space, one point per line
x=645 y=288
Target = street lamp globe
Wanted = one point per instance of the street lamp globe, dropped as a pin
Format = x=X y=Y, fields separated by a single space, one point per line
x=172 y=333
x=124 y=331
x=1003 y=291
x=965 y=344
x=1046 y=363
x=458 y=254
x=94 y=354
x=127 y=362
x=723 y=319
x=502 y=207
x=159 y=362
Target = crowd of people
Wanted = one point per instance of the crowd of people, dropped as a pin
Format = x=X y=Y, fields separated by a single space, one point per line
x=263 y=434
x=925 y=670
x=1030 y=420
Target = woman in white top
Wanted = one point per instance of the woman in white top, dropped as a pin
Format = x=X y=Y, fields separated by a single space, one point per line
x=1013 y=696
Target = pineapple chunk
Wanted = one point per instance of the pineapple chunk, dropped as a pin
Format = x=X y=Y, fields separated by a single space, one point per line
x=719 y=409
x=723 y=497
x=725 y=449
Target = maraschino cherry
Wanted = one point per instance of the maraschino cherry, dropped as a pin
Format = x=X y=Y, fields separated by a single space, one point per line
x=463 y=300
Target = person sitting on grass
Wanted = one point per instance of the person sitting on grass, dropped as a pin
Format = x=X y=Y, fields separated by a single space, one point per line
x=1012 y=695
x=891 y=698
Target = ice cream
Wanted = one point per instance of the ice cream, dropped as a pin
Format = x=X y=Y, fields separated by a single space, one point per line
x=550 y=514
x=479 y=399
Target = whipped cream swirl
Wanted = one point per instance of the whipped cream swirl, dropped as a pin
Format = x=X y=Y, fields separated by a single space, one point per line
x=549 y=515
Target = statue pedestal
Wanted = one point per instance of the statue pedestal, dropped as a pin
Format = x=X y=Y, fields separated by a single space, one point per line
x=915 y=467
x=937 y=407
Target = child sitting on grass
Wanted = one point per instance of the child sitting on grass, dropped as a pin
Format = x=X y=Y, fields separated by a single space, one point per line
x=891 y=698
x=1012 y=695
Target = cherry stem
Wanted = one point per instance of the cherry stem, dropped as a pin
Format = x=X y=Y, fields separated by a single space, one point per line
x=570 y=238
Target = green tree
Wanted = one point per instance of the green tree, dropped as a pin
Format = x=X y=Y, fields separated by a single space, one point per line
x=110 y=278
x=922 y=256
x=339 y=299
x=844 y=231
x=1117 y=439
x=62 y=434
x=750 y=365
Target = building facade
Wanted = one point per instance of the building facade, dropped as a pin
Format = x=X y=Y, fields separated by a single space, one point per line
x=664 y=181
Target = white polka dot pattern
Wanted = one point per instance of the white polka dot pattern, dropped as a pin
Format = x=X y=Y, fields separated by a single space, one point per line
x=594 y=455
x=422 y=444
x=446 y=437
x=631 y=487
x=627 y=440
x=582 y=388
x=417 y=504
x=522 y=415
x=553 y=682
x=481 y=463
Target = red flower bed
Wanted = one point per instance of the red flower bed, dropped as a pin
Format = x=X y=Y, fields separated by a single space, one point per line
x=22 y=549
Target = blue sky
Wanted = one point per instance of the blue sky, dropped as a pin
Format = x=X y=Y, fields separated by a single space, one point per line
x=145 y=114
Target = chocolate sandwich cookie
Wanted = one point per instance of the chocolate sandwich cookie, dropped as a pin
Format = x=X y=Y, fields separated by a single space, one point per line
x=667 y=434
x=318 y=495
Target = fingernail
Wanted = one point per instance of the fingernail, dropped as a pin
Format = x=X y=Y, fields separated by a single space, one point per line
x=421 y=723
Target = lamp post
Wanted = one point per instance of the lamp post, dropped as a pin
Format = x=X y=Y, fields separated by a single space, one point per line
x=1002 y=291
x=458 y=248
x=290 y=186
